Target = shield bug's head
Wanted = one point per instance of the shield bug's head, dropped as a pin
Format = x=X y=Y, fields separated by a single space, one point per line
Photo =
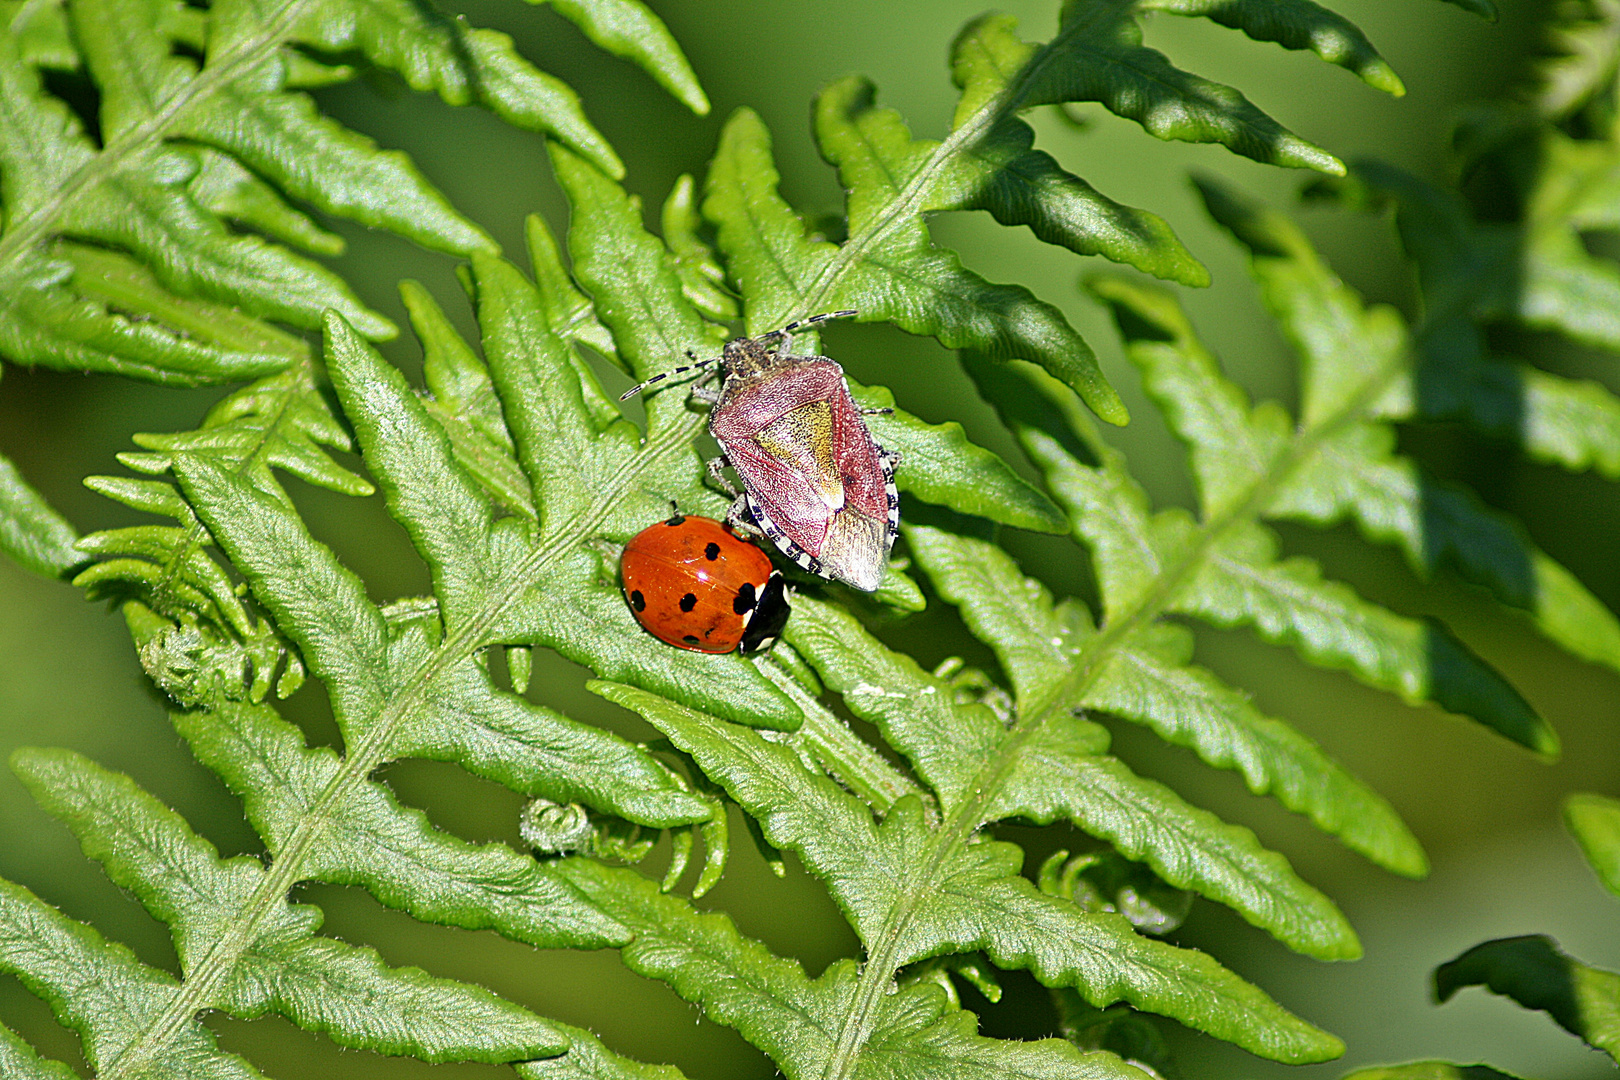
x=747 y=358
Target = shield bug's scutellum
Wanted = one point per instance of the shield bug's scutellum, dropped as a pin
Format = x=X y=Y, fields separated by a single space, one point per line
x=814 y=480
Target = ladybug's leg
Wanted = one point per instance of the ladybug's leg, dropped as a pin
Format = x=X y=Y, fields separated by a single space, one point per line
x=717 y=467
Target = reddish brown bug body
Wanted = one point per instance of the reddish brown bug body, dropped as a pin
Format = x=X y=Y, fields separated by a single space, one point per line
x=694 y=585
x=814 y=479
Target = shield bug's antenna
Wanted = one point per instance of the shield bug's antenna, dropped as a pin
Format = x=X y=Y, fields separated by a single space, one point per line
x=662 y=375
x=787 y=331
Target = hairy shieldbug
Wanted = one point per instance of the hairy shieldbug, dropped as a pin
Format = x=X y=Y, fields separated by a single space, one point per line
x=814 y=480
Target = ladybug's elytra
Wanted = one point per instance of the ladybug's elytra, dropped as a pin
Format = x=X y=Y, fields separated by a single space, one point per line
x=694 y=585
x=814 y=480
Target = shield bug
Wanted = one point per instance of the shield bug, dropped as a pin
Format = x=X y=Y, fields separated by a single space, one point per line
x=694 y=585
x=814 y=480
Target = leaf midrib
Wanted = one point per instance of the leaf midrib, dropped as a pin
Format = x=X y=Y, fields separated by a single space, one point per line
x=1150 y=605
x=905 y=206
x=198 y=991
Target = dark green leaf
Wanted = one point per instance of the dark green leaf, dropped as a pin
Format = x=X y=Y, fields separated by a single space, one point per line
x=1296 y=24
x=1430 y=1070
x=627 y=28
x=32 y=533
x=1595 y=823
x=1538 y=975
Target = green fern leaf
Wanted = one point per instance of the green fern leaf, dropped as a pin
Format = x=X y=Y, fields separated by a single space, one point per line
x=307 y=802
x=1058 y=766
x=627 y=28
x=1297 y=24
x=1146 y=678
x=812 y=1025
x=1429 y=1070
x=42 y=34
x=185 y=607
x=702 y=277
x=1238 y=581
x=461 y=397
x=587 y=1059
x=1534 y=972
x=1021 y=186
x=515 y=477
x=1098 y=56
x=912 y=889
x=1472 y=266
x=567 y=309
x=1353 y=471
x=31 y=533
x=886 y=270
x=18 y=1059
x=188 y=145
x=1594 y=821
x=216 y=905
x=105 y=995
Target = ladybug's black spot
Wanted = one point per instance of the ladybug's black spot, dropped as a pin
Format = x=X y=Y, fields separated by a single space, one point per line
x=744 y=601
x=712 y=552
x=690 y=639
x=638 y=601
x=688 y=602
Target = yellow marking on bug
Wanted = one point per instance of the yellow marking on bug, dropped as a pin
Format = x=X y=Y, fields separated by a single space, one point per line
x=803 y=438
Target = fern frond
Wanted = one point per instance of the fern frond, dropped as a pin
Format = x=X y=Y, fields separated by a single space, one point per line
x=516 y=478
x=32 y=533
x=182 y=147
x=220 y=906
x=889 y=269
x=409 y=679
x=1594 y=821
x=914 y=888
x=1538 y=975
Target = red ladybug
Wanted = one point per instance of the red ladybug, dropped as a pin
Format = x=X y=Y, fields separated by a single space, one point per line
x=693 y=584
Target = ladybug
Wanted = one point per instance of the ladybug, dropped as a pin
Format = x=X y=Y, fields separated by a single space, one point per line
x=695 y=585
x=814 y=480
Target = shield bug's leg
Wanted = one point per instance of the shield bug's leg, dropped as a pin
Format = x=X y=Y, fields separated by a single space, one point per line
x=717 y=467
x=705 y=395
x=877 y=412
x=737 y=519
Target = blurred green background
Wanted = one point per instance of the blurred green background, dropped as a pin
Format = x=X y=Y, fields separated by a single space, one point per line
x=1486 y=811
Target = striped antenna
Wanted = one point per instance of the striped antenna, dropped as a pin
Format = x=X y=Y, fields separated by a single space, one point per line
x=769 y=335
x=788 y=330
x=662 y=375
